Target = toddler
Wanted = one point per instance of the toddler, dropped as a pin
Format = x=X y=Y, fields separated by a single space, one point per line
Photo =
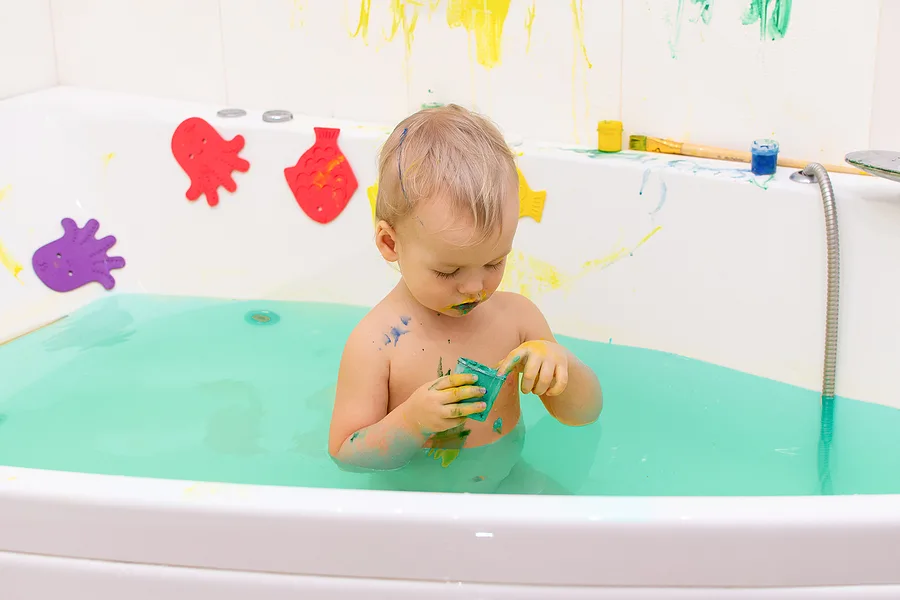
x=446 y=213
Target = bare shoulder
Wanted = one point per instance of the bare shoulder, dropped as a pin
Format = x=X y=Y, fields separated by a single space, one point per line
x=528 y=318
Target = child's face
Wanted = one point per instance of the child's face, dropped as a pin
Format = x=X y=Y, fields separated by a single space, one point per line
x=443 y=270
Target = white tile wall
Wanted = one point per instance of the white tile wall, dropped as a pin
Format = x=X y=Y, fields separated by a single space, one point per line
x=719 y=84
x=170 y=48
x=714 y=83
x=301 y=56
x=543 y=89
x=27 y=61
x=885 y=132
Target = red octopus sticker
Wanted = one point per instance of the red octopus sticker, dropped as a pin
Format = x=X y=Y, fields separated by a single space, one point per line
x=207 y=158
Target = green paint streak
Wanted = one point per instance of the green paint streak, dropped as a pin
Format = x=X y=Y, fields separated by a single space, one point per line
x=440 y=367
x=705 y=15
x=773 y=17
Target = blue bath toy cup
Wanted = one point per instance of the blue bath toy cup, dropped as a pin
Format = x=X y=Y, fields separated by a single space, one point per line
x=488 y=378
x=764 y=157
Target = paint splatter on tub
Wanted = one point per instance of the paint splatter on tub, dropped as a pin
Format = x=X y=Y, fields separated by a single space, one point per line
x=498 y=426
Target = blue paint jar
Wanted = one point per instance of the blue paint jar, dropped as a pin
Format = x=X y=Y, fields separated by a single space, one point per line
x=764 y=157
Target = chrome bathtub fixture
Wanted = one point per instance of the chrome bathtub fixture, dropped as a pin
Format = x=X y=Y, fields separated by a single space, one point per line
x=231 y=113
x=880 y=163
x=826 y=421
x=277 y=116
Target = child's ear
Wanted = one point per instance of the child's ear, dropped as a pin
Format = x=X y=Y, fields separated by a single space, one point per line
x=386 y=241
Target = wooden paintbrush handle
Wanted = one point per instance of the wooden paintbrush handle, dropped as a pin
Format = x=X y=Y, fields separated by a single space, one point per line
x=738 y=156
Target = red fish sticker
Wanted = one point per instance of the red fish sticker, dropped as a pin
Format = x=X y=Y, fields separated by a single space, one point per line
x=322 y=181
x=207 y=158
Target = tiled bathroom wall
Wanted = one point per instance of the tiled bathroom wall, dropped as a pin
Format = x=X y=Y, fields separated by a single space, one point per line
x=823 y=82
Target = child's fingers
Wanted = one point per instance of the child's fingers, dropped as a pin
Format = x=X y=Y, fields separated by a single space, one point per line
x=457 y=394
x=560 y=381
x=454 y=380
x=512 y=360
x=462 y=409
x=545 y=379
x=530 y=374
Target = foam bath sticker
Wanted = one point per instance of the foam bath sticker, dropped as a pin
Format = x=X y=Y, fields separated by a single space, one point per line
x=77 y=258
x=208 y=159
x=322 y=181
x=531 y=203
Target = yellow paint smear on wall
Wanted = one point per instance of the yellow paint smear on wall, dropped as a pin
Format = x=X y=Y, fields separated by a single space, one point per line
x=9 y=263
x=529 y=22
x=4 y=191
x=297 y=14
x=533 y=277
x=484 y=20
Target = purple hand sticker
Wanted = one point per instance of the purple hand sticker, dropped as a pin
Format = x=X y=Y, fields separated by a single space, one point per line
x=77 y=258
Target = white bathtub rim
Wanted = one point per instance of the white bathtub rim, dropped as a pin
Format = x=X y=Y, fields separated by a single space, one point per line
x=600 y=541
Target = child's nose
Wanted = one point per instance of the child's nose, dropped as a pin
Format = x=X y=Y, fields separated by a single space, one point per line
x=471 y=286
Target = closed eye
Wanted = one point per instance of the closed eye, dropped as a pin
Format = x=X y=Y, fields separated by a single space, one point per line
x=495 y=265
x=442 y=275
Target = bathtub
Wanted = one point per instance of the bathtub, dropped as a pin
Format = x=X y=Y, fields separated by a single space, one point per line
x=696 y=258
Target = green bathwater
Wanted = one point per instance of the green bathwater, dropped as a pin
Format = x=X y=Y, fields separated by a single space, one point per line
x=187 y=388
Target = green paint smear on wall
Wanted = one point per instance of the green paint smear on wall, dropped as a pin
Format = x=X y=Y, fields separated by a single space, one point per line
x=773 y=17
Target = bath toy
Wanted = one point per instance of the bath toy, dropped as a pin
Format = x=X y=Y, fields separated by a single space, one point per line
x=531 y=203
x=77 y=258
x=322 y=181
x=487 y=378
x=372 y=193
x=208 y=159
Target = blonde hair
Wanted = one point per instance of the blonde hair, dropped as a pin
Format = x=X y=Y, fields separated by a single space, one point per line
x=451 y=151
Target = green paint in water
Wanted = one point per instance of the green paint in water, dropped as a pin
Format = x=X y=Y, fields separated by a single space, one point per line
x=182 y=388
x=773 y=17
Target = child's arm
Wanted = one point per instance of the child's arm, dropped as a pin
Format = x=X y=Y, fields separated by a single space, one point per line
x=364 y=435
x=568 y=388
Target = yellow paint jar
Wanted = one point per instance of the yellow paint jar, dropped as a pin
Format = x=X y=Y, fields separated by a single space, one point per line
x=609 y=136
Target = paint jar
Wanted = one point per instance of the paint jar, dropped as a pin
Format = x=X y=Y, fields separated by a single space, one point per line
x=488 y=378
x=764 y=157
x=609 y=136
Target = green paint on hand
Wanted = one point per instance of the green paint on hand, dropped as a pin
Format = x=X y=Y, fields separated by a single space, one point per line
x=440 y=367
x=773 y=17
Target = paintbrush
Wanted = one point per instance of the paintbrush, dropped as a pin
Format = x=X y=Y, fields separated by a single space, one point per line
x=646 y=143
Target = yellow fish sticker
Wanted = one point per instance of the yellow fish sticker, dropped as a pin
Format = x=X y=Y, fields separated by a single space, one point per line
x=372 y=193
x=531 y=203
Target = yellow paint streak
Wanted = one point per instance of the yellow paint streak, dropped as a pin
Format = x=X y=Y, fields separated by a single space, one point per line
x=362 y=26
x=533 y=277
x=9 y=263
x=578 y=44
x=529 y=22
x=321 y=178
x=484 y=20
x=297 y=14
x=107 y=158
x=4 y=191
x=403 y=21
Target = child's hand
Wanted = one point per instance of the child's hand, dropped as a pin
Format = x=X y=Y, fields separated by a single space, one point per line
x=544 y=366
x=436 y=406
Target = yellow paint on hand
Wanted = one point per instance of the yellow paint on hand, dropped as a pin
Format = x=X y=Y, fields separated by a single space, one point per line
x=529 y=22
x=483 y=19
x=372 y=193
x=531 y=203
x=9 y=263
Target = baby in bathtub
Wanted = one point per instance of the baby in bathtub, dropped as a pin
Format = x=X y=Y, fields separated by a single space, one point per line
x=447 y=212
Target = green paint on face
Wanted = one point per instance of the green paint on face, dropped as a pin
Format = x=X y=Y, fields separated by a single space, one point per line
x=773 y=17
